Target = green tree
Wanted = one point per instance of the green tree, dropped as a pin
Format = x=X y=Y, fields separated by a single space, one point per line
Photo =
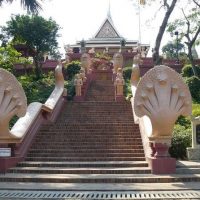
x=189 y=28
x=32 y=6
x=171 y=48
x=169 y=7
x=36 y=33
x=9 y=56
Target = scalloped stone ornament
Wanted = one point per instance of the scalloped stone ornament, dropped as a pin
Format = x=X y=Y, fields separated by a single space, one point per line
x=163 y=96
x=12 y=102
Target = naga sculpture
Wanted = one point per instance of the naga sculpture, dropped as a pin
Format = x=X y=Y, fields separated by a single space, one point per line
x=12 y=102
x=162 y=96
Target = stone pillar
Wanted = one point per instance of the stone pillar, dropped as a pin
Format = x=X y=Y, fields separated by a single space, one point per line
x=193 y=152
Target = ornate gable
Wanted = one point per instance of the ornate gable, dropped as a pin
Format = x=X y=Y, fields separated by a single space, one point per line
x=107 y=30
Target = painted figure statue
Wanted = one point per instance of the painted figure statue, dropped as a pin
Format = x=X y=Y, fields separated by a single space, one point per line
x=78 y=84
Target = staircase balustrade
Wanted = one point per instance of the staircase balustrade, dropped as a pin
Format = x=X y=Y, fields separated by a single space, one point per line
x=159 y=98
x=13 y=102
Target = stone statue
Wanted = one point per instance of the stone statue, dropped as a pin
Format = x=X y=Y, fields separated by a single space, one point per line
x=117 y=62
x=82 y=75
x=12 y=102
x=78 y=83
x=86 y=63
x=162 y=96
x=119 y=83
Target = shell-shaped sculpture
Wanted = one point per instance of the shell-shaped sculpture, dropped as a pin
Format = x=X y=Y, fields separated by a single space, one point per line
x=162 y=96
x=12 y=102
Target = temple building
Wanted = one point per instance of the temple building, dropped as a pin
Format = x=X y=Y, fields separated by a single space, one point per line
x=106 y=40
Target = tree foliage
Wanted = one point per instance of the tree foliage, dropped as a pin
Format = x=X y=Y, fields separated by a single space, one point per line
x=36 y=33
x=32 y=6
x=189 y=29
x=9 y=56
x=171 y=48
x=169 y=7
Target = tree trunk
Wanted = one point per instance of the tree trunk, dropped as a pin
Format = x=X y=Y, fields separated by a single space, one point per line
x=194 y=69
x=37 y=68
x=156 y=57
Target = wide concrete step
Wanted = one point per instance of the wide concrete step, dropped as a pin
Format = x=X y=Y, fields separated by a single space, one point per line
x=86 y=147
x=86 y=133
x=79 y=159
x=188 y=170
x=88 y=170
x=88 y=154
x=93 y=126
x=100 y=98
x=108 y=164
x=98 y=178
x=97 y=130
x=100 y=145
x=43 y=145
x=88 y=139
x=71 y=150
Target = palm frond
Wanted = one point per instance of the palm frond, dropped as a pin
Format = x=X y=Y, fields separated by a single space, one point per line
x=32 y=6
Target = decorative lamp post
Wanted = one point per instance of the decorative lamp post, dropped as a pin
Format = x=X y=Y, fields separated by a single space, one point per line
x=82 y=43
x=176 y=33
x=122 y=44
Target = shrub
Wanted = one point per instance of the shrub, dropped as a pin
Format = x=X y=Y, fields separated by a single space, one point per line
x=188 y=72
x=196 y=109
x=72 y=68
x=37 y=90
x=182 y=138
x=70 y=89
x=184 y=121
x=127 y=73
x=194 y=85
x=127 y=90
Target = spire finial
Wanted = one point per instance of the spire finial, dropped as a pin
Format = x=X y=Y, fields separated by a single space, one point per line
x=108 y=14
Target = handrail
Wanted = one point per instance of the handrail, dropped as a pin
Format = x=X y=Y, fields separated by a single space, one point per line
x=20 y=137
x=143 y=122
x=23 y=124
x=59 y=90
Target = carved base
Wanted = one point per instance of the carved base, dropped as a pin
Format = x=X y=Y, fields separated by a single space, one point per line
x=78 y=98
x=160 y=161
x=193 y=153
x=119 y=98
x=160 y=150
x=164 y=165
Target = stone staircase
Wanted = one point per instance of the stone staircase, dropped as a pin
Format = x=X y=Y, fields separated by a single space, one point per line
x=95 y=141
